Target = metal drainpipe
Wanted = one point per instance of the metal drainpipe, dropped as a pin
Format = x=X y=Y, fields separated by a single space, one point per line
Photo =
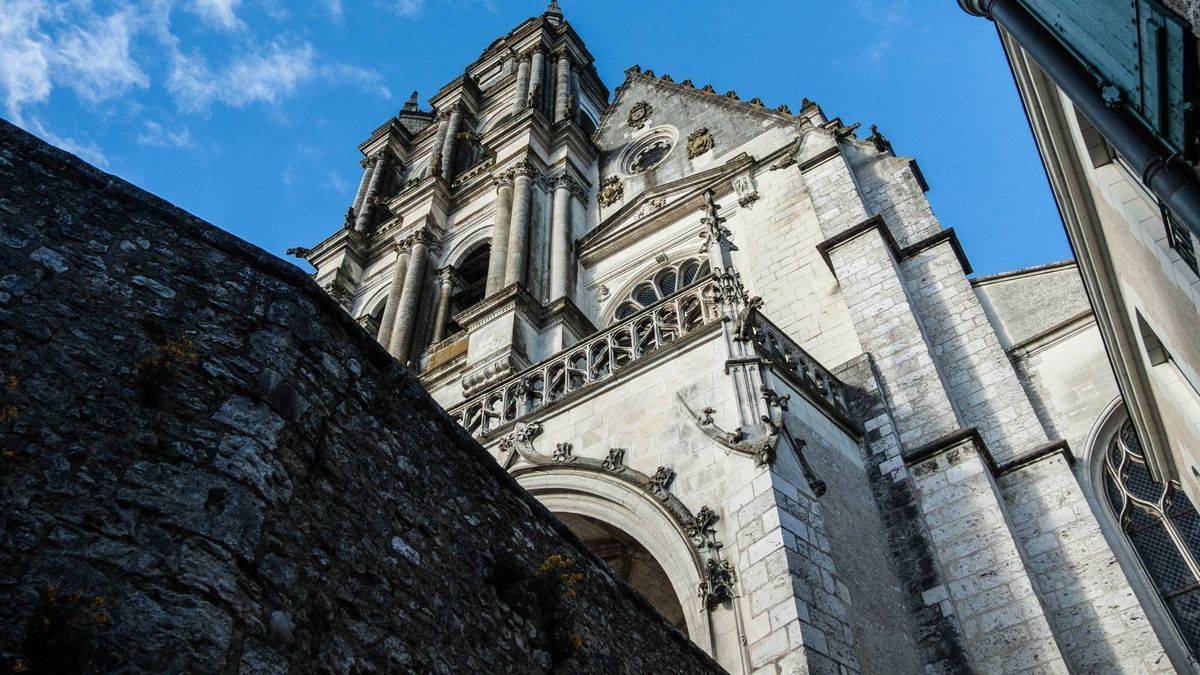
x=1164 y=173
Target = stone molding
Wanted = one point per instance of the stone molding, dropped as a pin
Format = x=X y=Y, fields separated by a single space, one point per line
x=959 y=438
x=877 y=223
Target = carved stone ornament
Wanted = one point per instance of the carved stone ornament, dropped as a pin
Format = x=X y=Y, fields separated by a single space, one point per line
x=611 y=191
x=717 y=585
x=639 y=114
x=744 y=187
x=701 y=529
x=602 y=293
x=660 y=483
x=699 y=142
x=615 y=461
x=563 y=453
x=339 y=293
x=519 y=443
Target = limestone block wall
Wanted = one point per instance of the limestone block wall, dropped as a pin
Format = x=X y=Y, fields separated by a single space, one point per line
x=232 y=475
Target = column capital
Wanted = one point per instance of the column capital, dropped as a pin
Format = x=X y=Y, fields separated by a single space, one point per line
x=365 y=162
x=561 y=53
x=447 y=275
x=524 y=168
x=503 y=178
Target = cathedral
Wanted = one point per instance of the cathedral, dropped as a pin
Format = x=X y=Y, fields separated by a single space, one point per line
x=732 y=348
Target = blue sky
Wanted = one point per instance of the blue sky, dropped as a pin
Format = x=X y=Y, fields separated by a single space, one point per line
x=247 y=112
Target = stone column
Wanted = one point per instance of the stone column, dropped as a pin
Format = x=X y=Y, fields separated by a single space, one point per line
x=439 y=138
x=363 y=218
x=387 y=321
x=560 y=238
x=563 y=94
x=446 y=286
x=522 y=91
x=362 y=184
x=498 y=254
x=537 y=71
x=518 y=235
x=410 y=296
x=450 y=142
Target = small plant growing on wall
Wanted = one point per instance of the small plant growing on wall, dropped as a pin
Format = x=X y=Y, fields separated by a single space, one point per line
x=64 y=635
x=554 y=581
x=163 y=365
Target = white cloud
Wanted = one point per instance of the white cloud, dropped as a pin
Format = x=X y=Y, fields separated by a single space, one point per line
x=409 y=7
x=97 y=57
x=43 y=44
x=155 y=135
x=335 y=9
x=24 y=64
x=266 y=76
x=219 y=13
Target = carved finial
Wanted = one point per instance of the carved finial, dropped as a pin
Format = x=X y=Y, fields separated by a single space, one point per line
x=880 y=141
x=411 y=104
x=554 y=8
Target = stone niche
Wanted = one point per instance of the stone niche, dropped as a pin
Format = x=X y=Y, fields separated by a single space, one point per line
x=208 y=466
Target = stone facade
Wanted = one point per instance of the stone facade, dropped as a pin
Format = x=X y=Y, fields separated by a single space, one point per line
x=208 y=467
x=745 y=362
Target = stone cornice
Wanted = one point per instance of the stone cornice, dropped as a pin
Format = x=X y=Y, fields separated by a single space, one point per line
x=565 y=311
x=513 y=297
x=958 y=439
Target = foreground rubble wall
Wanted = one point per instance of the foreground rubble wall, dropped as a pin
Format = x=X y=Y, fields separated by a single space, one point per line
x=208 y=466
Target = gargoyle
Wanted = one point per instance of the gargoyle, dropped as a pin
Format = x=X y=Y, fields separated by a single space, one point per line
x=743 y=330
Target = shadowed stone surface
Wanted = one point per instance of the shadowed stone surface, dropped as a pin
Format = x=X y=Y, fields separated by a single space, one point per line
x=233 y=476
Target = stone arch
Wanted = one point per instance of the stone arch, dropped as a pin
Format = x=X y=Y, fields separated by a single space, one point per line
x=590 y=494
x=1103 y=433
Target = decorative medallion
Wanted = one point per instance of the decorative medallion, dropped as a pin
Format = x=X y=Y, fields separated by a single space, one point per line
x=699 y=142
x=639 y=114
x=602 y=293
x=611 y=191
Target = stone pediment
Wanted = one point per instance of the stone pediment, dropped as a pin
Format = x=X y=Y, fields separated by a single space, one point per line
x=659 y=207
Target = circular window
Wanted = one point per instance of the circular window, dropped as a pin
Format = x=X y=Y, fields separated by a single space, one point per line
x=649 y=152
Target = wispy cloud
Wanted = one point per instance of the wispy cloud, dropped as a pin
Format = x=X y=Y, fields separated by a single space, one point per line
x=335 y=9
x=44 y=44
x=266 y=76
x=219 y=13
x=408 y=7
x=155 y=135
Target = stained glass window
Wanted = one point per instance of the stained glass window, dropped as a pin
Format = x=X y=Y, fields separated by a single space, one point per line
x=1163 y=527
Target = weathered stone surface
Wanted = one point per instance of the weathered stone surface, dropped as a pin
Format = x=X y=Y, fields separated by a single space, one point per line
x=233 y=476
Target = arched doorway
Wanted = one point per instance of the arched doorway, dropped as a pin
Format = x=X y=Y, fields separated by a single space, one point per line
x=627 y=527
x=629 y=559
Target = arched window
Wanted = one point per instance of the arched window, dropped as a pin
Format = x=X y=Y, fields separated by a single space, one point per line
x=1162 y=526
x=660 y=284
x=472 y=273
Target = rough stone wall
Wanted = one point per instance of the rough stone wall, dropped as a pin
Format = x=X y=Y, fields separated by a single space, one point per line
x=233 y=475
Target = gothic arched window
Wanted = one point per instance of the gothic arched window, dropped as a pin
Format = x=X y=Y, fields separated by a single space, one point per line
x=663 y=282
x=1162 y=526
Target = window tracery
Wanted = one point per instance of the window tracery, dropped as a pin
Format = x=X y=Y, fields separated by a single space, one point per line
x=663 y=282
x=1162 y=527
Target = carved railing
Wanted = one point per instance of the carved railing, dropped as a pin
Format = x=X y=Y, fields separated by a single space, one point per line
x=592 y=360
x=774 y=344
